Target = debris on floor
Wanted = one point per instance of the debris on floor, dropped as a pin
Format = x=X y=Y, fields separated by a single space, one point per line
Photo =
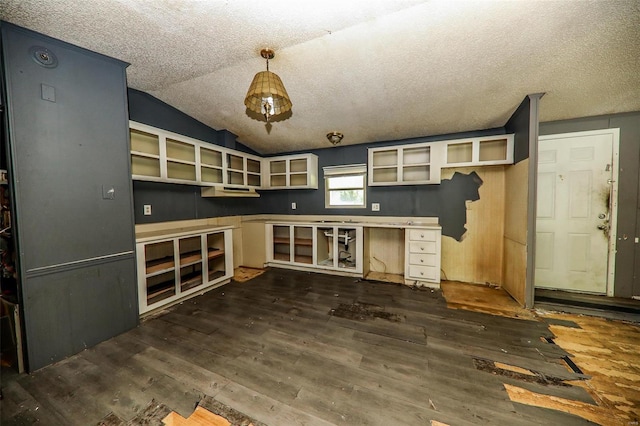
x=363 y=311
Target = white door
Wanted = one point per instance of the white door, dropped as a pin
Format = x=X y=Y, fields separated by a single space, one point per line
x=576 y=196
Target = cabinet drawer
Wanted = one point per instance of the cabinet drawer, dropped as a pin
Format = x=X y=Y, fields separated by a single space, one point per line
x=423 y=272
x=423 y=235
x=422 y=247
x=423 y=259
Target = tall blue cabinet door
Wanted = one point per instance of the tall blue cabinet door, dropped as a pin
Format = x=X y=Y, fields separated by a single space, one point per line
x=70 y=169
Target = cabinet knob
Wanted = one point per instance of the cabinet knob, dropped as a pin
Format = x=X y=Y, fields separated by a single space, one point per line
x=421 y=235
x=421 y=260
x=422 y=248
x=421 y=273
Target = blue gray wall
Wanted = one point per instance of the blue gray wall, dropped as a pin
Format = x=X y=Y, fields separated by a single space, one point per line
x=178 y=202
x=67 y=146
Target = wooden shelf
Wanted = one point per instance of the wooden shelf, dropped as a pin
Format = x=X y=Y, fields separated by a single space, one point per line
x=303 y=259
x=303 y=242
x=160 y=291
x=190 y=258
x=282 y=256
x=214 y=275
x=281 y=240
x=190 y=280
x=160 y=265
x=212 y=253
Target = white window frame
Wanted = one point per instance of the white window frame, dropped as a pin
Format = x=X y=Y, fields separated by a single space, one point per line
x=343 y=171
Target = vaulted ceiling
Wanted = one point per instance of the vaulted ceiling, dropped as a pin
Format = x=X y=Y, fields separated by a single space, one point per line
x=374 y=70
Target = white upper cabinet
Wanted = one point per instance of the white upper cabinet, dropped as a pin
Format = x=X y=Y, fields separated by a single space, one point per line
x=291 y=172
x=420 y=163
x=483 y=151
x=162 y=156
x=404 y=165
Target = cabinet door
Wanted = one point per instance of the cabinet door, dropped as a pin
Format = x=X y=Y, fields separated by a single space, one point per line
x=158 y=273
x=348 y=248
x=254 y=169
x=303 y=244
x=383 y=166
x=298 y=172
x=191 y=265
x=217 y=254
x=235 y=170
x=281 y=243
x=339 y=247
x=278 y=173
x=211 y=169
x=181 y=160
x=145 y=154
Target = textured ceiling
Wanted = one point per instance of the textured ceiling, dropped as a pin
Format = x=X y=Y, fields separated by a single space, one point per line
x=374 y=70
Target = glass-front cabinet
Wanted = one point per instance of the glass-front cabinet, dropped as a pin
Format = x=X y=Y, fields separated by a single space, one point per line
x=421 y=163
x=173 y=267
x=299 y=171
x=162 y=156
x=403 y=165
x=321 y=248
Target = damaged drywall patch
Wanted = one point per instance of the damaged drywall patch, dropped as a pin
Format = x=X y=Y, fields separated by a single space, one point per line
x=454 y=195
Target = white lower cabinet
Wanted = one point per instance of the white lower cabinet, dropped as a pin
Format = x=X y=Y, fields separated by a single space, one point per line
x=174 y=267
x=422 y=256
x=321 y=248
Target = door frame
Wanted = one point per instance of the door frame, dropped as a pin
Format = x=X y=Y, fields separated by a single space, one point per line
x=613 y=201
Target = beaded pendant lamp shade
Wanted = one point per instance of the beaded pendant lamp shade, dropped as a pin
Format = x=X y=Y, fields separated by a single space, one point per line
x=267 y=95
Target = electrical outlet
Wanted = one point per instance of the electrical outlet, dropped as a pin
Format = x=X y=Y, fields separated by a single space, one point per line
x=294 y=206
x=375 y=207
x=147 y=209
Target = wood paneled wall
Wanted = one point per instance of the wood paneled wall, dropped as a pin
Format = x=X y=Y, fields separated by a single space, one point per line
x=478 y=258
x=515 y=230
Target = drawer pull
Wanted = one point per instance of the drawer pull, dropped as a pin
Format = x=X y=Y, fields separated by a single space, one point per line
x=421 y=235
x=421 y=273
x=421 y=260
x=422 y=248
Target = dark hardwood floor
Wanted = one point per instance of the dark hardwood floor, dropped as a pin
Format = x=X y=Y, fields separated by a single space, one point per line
x=295 y=348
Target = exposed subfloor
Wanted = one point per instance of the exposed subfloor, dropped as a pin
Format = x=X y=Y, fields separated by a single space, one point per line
x=295 y=348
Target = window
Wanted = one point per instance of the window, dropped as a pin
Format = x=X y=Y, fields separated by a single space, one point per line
x=345 y=186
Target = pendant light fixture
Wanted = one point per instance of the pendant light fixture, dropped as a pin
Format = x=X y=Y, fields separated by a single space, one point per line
x=335 y=137
x=267 y=95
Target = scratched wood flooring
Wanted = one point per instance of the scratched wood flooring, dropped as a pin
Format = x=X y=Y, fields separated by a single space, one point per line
x=295 y=348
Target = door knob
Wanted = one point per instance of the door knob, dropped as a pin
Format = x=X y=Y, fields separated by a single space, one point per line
x=602 y=227
x=602 y=216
